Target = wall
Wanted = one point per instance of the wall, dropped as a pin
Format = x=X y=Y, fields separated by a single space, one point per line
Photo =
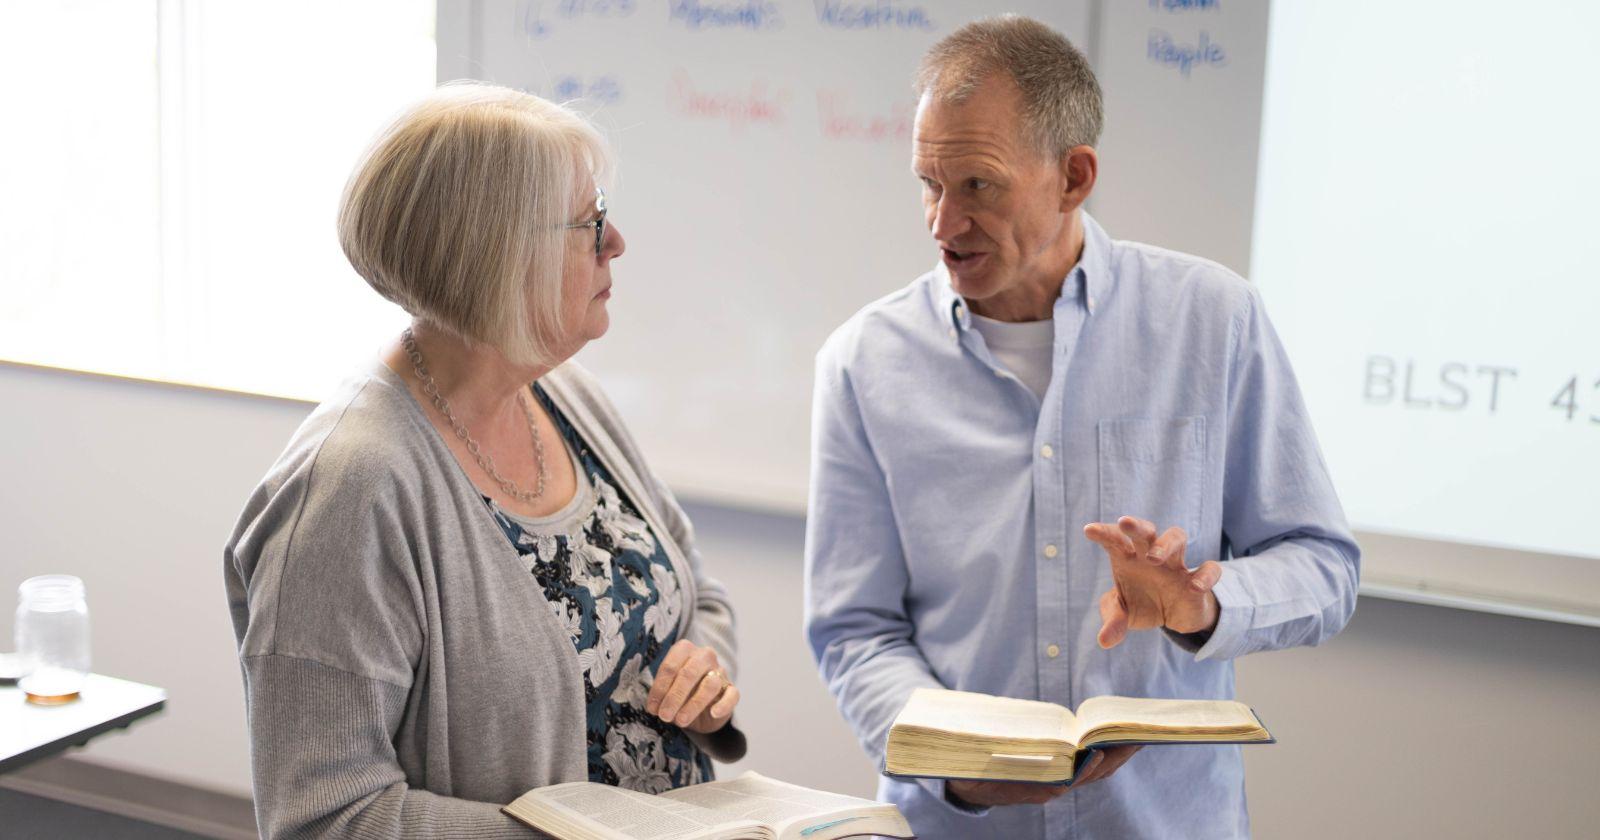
x=1400 y=727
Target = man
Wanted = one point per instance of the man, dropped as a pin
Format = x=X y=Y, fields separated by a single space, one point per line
x=1049 y=441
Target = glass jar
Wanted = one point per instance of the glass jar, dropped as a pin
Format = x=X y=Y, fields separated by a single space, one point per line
x=53 y=638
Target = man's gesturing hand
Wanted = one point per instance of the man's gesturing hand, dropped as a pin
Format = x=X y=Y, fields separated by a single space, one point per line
x=1151 y=586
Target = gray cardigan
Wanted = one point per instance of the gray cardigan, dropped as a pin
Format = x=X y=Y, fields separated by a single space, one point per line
x=404 y=676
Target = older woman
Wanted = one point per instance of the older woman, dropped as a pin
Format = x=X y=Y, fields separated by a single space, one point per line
x=461 y=580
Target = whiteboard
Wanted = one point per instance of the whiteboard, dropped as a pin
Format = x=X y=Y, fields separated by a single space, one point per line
x=764 y=190
x=765 y=196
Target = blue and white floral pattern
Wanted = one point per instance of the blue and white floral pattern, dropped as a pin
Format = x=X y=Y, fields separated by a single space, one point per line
x=609 y=583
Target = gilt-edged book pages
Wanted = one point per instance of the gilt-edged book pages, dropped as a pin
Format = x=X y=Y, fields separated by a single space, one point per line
x=965 y=735
x=751 y=807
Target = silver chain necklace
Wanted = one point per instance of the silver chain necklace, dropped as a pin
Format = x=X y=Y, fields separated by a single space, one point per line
x=431 y=388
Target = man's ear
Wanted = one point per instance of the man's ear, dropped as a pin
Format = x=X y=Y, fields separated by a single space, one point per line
x=1080 y=166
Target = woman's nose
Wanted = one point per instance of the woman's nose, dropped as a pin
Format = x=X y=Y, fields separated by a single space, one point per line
x=613 y=245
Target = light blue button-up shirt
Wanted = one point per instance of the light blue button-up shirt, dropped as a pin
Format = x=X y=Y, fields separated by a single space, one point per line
x=945 y=541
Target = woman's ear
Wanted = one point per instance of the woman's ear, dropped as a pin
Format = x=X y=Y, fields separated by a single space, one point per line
x=1079 y=168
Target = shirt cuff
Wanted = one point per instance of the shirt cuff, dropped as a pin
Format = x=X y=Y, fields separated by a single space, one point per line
x=1191 y=642
x=1234 y=611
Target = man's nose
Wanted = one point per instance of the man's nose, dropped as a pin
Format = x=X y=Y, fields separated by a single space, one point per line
x=947 y=219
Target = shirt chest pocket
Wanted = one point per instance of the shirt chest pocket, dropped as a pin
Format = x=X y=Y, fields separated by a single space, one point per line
x=1153 y=468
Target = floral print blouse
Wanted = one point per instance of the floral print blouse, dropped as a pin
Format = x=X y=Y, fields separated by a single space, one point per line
x=609 y=581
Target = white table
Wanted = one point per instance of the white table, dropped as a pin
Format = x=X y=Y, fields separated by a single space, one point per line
x=29 y=733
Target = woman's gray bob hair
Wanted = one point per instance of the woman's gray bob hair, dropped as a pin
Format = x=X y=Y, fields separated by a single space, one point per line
x=456 y=211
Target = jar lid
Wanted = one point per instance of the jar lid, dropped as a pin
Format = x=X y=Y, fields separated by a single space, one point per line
x=46 y=590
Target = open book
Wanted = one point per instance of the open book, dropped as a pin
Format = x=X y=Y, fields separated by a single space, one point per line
x=962 y=735
x=751 y=807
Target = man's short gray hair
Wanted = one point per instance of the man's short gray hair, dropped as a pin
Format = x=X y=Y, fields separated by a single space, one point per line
x=1061 y=104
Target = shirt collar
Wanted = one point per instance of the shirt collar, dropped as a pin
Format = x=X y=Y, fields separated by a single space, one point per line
x=1094 y=267
x=1088 y=281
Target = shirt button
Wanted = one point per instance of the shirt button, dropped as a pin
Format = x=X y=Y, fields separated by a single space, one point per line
x=1050 y=550
x=1047 y=451
x=952 y=332
x=1052 y=651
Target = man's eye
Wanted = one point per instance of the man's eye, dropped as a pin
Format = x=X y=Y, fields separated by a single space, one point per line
x=976 y=184
x=930 y=184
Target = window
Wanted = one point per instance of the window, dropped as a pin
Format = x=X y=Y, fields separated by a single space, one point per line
x=170 y=177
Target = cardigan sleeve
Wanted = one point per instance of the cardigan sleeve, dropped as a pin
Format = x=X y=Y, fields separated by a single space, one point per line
x=324 y=763
x=327 y=608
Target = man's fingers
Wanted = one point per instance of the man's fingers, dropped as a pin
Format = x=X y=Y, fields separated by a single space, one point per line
x=1104 y=763
x=1111 y=606
x=1115 y=758
x=1003 y=793
x=1091 y=770
x=1113 y=618
x=1205 y=577
x=1040 y=794
x=1141 y=531
x=1109 y=537
x=1169 y=548
x=664 y=674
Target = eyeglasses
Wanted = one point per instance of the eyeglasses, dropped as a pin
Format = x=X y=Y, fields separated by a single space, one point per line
x=598 y=224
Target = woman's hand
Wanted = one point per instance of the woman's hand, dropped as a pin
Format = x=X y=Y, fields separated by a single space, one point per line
x=691 y=690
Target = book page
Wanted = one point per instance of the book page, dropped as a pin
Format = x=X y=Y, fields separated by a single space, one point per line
x=1134 y=717
x=787 y=808
x=603 y=811
x=984 y=715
